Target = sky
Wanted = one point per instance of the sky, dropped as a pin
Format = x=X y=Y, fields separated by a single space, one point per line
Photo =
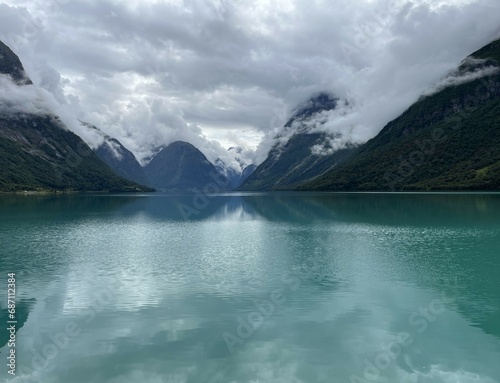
x=227 y=73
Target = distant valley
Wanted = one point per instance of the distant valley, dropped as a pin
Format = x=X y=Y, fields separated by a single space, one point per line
x=448 y=140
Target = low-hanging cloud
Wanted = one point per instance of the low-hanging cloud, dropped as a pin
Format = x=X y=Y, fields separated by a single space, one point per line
x=458 y=77
x=220 y=74
x=31 y=100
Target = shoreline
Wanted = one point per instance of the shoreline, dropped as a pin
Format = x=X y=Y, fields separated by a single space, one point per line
x=237 y=192
x=70 y=192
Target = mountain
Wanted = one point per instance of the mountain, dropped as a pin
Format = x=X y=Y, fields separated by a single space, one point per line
x=316 y=104
x=247 y=172
x=12 y=66
x=233 y=176
x=448 y=140
x=182 y=167
x=290 y=163
x=37 y=152
x=121 y=160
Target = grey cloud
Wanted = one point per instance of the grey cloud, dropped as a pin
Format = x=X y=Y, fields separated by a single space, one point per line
x=18 y=100
x=463 y=76
x=201 y=71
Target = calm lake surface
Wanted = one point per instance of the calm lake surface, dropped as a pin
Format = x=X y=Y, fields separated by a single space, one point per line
x=253 y=288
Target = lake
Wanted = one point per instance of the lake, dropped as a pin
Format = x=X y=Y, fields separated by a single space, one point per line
x=248 y=288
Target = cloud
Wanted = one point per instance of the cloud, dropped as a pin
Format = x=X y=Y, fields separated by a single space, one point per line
x=459 y=77
x=18 y=100
x=229 y=73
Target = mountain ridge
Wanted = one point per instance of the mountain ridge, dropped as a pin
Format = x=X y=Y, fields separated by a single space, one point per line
x=121 y=160
x=292 y=162
x=180 y=166
x=448 y=140
x=38 y=152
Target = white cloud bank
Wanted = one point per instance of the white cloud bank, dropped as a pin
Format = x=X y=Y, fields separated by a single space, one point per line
x=31 y=100
x=221 y=73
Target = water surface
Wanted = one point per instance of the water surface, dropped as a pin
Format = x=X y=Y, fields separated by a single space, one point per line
x=253 y=288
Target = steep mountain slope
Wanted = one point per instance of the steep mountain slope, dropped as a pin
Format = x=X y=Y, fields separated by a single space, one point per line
x=290 y=163
x=247 y=172
x=11 y=65
x=121 y=160
x=448 y=140
x=37 y=152
x=233 y=176
x=181 y=167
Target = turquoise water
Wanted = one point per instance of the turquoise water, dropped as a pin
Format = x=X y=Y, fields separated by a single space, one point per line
x=253 y=288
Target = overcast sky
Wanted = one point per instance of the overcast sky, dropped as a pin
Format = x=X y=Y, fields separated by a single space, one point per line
x=226 y=73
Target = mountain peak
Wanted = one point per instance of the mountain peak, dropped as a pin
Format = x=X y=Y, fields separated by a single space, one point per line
x=12 y=66
x=180 y=167
x=447 y=140
x=181 y=144
x=37 y=152
x=121 y=160
x=317 y=103
x=299 y=152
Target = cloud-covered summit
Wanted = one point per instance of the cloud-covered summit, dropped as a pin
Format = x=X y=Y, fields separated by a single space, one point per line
x=229 y=73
